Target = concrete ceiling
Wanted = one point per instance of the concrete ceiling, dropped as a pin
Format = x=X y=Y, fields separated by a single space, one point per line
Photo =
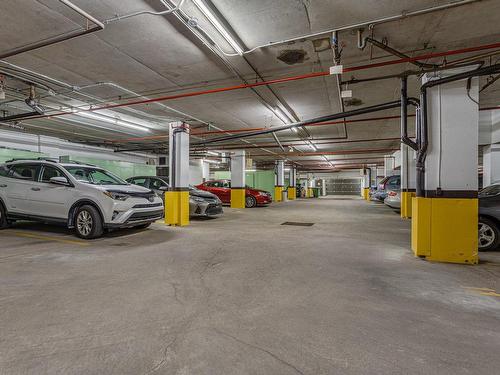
x=159 y=55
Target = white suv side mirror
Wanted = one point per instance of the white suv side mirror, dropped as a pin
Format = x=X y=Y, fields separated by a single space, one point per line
x=60 y=180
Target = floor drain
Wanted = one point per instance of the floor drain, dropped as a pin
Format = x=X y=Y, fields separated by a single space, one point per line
x=297 y=224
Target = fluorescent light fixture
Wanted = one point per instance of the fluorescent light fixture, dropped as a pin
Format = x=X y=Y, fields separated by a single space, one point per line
x=212 y=161
x=282 y=115
x=313 y=146
x=212 y=153
x=115 y=121
x=250 y=170
x=218 y=25
x=294 y=129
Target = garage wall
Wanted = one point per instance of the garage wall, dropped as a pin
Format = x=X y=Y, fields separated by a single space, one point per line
x=54 y=147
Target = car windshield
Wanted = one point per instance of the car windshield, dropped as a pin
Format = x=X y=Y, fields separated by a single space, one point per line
x=490 y=191
x=95 y=176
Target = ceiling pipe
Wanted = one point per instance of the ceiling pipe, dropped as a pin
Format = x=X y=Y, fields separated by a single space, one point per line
x=145 y=12
x=271 y=145
x=362 y=42
x=355 y=112
x=60 y=38
x=283 y=80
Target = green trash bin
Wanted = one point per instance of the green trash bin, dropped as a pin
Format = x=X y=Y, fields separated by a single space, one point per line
x=316 y=192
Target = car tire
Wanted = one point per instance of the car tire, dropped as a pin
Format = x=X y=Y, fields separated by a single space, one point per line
x=250 y=201
x=488 y=235
x=4 y=223
x=88 y=223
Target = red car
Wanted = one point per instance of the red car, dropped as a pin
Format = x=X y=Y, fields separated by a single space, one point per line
x=222 y=188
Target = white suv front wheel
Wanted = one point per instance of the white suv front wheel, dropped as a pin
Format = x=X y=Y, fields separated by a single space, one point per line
x=88 y=222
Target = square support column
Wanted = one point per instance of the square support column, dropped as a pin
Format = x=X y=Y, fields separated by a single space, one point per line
x=292 y=187
x=177 y=196
x=365 y=184
x=238 y=184
x=491 y=164
x=445 y=211
x=280 y=181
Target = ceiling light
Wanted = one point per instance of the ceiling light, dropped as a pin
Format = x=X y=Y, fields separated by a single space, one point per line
x=218 y=25
x=294 y=129
x=250 y=170
x=313 y=146
x=113 y=120
x=212 y=153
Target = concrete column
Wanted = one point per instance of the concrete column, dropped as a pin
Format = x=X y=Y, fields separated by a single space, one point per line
x=365 y=184
x=238 y=179
x=292 y=187
x=280 y=180
x=323 y=187
x=445 y=211
x=491 y=164
x=177 y=197
x=408 y=180
x=388 y=165
x=205 y=171
x=310 y=185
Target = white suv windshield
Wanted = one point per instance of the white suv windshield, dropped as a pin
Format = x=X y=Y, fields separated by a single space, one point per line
x=95 y=176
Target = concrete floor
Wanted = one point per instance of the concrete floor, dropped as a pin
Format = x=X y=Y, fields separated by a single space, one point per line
x=244 y=295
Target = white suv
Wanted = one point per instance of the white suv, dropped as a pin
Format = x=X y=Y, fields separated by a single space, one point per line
x=87 y=198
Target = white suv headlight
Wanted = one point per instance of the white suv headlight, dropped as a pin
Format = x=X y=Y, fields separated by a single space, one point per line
x=115 y=196
x=198 y=199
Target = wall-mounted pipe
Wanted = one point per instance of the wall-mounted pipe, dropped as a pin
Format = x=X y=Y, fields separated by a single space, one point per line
x=404 y=115
x=60 y=38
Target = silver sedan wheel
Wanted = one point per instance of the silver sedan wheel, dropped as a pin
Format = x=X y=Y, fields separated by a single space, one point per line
x=486 y=235
x=84 y=223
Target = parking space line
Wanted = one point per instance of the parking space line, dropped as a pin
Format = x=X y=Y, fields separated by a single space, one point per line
x=46 y=238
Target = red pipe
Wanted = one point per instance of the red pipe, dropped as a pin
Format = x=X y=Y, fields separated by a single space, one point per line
x=340 y=152
x=282 y=80
x=274 y=145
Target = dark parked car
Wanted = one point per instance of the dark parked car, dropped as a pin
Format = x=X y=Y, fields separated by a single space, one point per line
x=489 y=218
x=201 y=203
x=388 y=183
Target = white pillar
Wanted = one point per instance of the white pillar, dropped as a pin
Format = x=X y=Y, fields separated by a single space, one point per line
x=388 y=165
x=408 y=180
x=280 y=173
x=292 y=176
x=178 y=155
x=491 y=164
x=238 y=179
x=205 y=171
x=453 y=121
x=177 y=197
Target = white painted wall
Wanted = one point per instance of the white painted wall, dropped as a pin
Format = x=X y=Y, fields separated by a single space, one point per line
x=55 y=147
